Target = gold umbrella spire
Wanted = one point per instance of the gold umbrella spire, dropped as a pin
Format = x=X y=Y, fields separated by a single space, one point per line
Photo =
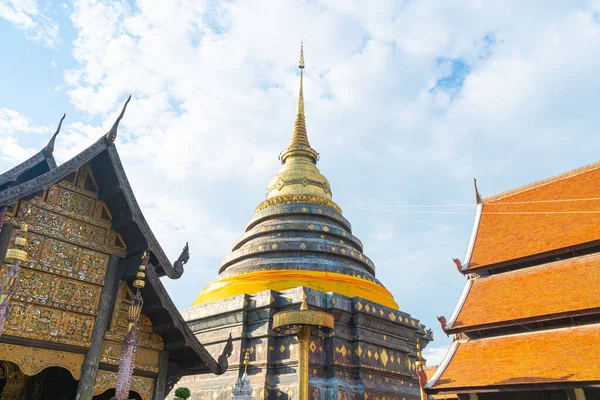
x=300 y=144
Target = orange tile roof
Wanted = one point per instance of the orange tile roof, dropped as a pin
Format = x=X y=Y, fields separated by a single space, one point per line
x=529 y=220
x=569 y=285
x=429 y=371
x=553 y=356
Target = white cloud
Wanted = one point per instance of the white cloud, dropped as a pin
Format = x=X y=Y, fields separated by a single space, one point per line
x=26 y=15
x=435 y=354
x=214 y=87
x=15 y=129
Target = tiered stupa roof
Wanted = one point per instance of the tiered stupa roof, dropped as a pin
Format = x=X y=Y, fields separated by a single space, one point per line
x=529 y=313
x=298 y=236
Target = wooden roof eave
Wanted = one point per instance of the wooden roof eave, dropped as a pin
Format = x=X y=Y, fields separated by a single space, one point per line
x=524 y=321
x=43 y=156
x=13 y=174
x=10 y=195
x=190 y=339
x=459 y=305
x=472 y=239
x=445 y=361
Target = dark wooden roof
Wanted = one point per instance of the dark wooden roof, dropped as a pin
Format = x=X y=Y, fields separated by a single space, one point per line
x=36 y=165
x=128 y=220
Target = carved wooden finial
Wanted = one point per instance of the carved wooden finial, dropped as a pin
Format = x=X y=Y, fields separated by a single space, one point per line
x=458 y=264
x=442 y=320
x=112 y=134
x=49 y=149
x=478 y=197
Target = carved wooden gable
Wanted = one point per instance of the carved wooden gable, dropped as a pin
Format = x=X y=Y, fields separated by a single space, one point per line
x=151 y=344
x=69 y=242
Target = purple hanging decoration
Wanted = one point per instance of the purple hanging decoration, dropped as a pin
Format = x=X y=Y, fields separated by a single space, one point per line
x=131 y=342
x=7 y=287
x=129 y=348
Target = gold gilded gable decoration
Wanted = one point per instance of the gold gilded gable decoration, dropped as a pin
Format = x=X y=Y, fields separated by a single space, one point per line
x=64 y=259
x=49 y=220
x=147 y=357
x=48 y=324
x=105 y=380
x=48 y=289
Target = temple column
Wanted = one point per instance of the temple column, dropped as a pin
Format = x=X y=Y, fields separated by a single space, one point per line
x=161 y=380
x=576 y=394
x=89 y=368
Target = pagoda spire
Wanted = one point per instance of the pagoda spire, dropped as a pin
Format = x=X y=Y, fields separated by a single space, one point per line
x=300 y=137
x=300 y=144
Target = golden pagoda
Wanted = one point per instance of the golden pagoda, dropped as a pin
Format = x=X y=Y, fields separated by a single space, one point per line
x=299 y=249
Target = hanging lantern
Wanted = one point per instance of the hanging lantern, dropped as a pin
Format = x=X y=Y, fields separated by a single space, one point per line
x=14 y=257
x=131 y=342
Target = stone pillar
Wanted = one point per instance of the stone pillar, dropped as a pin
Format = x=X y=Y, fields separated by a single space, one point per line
x=161 y=380
x=89 y=369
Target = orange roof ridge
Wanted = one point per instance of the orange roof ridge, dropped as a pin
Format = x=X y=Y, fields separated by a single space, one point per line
x=542 y=182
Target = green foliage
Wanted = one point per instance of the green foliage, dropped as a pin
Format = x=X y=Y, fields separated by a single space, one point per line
x=183 y=393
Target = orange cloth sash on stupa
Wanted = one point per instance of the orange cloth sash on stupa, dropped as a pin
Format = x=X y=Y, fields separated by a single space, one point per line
x=278 y=280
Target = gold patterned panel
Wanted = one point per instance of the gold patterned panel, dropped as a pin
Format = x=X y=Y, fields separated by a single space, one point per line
x=54 y=222
x=106 y=380
x=55 y=291
x=66 y=199
x=118 y=324
x=146 y=359
x=32 y=360
x=61 y=225
x=60 y=258
x=49 y=324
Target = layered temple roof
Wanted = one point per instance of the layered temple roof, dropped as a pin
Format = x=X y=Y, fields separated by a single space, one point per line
x=530 y=312
x=298 y=236
x=559 y=356
x=569 y=287
x=537 y=220
x=40 y=172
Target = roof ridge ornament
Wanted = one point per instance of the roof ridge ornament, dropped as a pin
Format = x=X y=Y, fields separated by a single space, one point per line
x=478 y=197
x=49 y=149
x=112 y=133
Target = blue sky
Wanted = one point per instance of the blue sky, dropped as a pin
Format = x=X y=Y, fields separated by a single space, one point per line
x=405 y=101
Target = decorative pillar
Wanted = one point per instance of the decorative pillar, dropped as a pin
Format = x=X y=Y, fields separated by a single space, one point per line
x=161 y=380
x=303 y=323
x=89 y=368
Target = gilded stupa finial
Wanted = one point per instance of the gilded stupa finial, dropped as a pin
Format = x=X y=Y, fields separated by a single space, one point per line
x=300 y=145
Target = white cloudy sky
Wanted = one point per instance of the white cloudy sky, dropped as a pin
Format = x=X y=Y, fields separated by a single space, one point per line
x=406 y=101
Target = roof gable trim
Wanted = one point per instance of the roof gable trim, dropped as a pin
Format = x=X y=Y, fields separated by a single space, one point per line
x=443 y=365
x=471 y=246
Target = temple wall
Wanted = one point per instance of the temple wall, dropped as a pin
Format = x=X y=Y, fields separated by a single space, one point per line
x=371 y=353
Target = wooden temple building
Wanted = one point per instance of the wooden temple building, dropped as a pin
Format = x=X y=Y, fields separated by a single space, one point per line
x=85 y=236
x=527 y=325
x=299 y=252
